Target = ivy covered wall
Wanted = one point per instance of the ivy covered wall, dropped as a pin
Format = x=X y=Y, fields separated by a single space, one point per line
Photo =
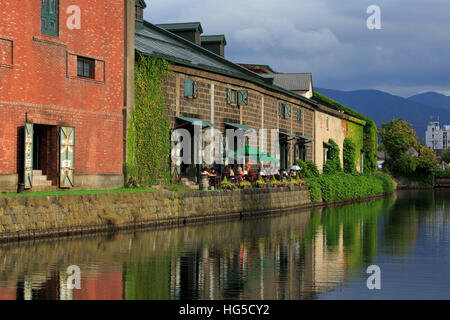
x=370 y=131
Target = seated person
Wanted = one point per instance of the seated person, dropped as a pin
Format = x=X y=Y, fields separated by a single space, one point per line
x=293 y=174
x=248 y=169
x=228 y=172
x=240 y=174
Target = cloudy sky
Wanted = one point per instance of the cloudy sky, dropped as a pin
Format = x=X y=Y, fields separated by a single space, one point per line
x=330 y=38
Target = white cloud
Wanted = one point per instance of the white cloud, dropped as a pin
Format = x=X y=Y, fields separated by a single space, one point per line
x=329 y=38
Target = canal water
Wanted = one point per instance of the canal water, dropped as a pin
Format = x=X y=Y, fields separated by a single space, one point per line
x=310 y=254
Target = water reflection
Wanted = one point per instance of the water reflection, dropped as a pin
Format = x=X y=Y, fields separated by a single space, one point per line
x=303 y=255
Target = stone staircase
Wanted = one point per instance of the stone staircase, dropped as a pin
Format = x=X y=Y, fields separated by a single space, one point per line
x=188 y=183
x=40 y=182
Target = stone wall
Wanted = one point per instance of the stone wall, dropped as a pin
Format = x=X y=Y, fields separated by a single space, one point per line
x=40 y=216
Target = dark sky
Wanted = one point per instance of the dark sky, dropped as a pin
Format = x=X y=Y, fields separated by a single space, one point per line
x=330 y=38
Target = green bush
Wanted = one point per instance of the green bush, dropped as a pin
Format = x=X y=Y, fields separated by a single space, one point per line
x=304 y=169
x=343 y=186
x=312 y=167
x=443 y=173
x=314 y=189
x=333 y=164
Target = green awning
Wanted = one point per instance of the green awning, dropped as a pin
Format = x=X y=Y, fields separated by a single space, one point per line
x=305 y=138
x=196 y=121
x=296 y=137
x=239 y=126
x=327 y=145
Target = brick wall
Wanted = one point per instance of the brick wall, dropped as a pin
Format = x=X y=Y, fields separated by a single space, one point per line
x=251 y=115
x=41 y=83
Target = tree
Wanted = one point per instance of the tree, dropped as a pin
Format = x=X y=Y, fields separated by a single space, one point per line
x=446 y=156
x=397 y=136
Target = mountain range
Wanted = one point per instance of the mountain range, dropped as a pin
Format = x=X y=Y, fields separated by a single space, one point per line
x=381 y=106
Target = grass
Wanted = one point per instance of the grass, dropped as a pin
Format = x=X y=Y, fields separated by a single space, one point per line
x=75 y=192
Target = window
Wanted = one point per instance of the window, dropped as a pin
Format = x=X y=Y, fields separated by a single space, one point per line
x=85 y=68
x=50 y=17
x=280 y=109
x=242 y=97
x=231 y=96
x=139 y=14
x=299 y=114
x=287 y=110
x=326 y=123
x=190 y=88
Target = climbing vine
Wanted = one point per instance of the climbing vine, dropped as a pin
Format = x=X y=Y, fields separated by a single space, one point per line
x=148 y=134
x=370 y=134
x=333 y=164
x=349 y=156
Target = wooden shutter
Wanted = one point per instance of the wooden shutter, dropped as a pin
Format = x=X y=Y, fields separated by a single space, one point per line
x=299 y=114
x=242 y=97
x=188 y=88
x=67 y=148
x=287 y=110
x=195 y=90
x=28 y=159
x=50 y=17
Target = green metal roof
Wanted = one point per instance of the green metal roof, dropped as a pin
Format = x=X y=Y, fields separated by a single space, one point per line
x=157 y=42
x=140 y=3
x=239 y=126
x=214 y=38
x=185 y=26
x=196 y=121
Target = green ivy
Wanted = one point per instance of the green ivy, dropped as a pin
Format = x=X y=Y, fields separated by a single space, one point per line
x=349 y=156
x=333 y=164
x=148 y=140
x=370 y=133
x=343 y=186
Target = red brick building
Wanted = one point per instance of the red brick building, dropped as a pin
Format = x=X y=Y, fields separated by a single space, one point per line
x=62 y=93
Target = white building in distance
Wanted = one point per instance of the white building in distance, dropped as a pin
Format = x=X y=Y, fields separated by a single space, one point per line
x=437 y=138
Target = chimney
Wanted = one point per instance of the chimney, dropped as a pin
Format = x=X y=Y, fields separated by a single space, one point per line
x=139 y=6
x=190 y=31
x=215 y=44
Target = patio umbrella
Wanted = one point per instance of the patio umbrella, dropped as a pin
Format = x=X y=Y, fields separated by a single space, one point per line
x=265 y=157
x=296 y=168
x=244 y=151
x=249 y=151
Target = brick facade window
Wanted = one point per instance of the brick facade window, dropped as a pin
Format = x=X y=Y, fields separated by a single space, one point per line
x=86 y=68
x=50 y=17
x=231 y=96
